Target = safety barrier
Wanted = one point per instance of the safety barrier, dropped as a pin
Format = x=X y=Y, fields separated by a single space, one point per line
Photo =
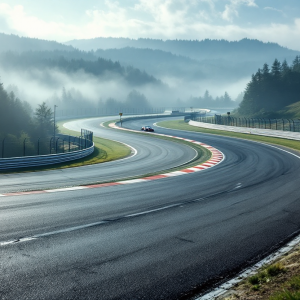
x=274 y=124
x=85 y=147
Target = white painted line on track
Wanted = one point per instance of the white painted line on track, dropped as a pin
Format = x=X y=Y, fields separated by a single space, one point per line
x=217 y=157
x=132 y=181
x=66 y=189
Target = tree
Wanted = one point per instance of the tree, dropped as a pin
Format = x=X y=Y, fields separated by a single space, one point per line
x=276 y=68
x=296 y=64
x=270 y=92
x=136 y=99
x=44 y=119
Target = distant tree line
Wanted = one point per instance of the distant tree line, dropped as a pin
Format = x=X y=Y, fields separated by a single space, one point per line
x=73 y=100
x=207 y=101
x=72 y=62
x=270 y=91
x=18 y=122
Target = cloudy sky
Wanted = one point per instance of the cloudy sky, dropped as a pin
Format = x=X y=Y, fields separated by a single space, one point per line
x=63 y=20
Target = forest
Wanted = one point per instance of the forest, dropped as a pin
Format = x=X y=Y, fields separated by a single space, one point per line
x=71 y=62
x=19 y=124
x=222 y=102
x=272 y=91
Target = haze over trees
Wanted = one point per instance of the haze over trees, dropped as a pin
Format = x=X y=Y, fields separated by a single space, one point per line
x=167 y=74
x=272 y=91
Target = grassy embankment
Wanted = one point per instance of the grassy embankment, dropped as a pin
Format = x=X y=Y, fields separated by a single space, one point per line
x=105 y=150
x=181 y=125
x=202 y=155
x=281 y=280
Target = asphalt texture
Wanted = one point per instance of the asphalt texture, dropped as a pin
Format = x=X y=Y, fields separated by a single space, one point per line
x=152 y=155
x=165 y=239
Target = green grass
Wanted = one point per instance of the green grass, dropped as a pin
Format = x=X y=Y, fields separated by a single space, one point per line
x=286 y=295
x=265 y=276
x=105 y=150
x=202 y=156
x=291 y=290
x=181 y=125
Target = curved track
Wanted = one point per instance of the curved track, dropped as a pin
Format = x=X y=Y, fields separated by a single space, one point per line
x=152 y=155
x=162 y=239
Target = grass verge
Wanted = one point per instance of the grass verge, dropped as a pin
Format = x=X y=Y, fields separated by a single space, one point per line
x=181 y=125
x=202 y=156
x=105 y=150
x=279 y=281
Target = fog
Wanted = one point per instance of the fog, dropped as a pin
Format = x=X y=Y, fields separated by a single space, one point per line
x=82 y=89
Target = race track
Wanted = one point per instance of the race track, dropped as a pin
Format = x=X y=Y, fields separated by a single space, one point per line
x=165 y=239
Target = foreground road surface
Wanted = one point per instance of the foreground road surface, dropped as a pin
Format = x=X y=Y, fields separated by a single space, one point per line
x=164 y=239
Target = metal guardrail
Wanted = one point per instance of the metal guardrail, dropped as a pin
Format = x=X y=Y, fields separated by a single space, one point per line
x=42 y=160
x=85 y=147
x=274 y=124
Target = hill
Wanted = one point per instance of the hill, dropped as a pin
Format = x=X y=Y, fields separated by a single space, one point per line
x=272 y=92
x=21 y=44
x=199 y=50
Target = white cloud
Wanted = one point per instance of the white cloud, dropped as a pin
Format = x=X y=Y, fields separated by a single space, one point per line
x=229 y=12
x=231 y=9
x=19 y=21
x=165 y=19
x=274 y=9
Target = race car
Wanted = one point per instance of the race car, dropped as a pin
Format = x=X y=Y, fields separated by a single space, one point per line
x=147 y=128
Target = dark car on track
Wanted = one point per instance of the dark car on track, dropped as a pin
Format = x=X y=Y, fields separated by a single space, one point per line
x=147 y=128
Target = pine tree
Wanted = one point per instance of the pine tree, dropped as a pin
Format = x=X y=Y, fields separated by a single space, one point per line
x=44 y=119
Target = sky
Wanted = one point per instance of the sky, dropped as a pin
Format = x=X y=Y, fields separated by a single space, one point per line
x=64 y=20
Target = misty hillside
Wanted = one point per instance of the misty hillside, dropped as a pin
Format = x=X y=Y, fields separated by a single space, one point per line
x=216 y=65
x=99 y=67
x=156 y=62
x=20 y=44
x=253 y=50
x=165 y=64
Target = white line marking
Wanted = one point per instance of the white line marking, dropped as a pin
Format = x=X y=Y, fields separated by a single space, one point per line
x=66 y=189
x=132 y=181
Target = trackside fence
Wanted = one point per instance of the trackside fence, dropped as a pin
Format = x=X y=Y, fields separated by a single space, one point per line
x=275 y=124
x=46 y=151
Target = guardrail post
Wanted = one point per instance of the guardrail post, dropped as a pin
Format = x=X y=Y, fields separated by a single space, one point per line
x=56 y=145
x=3 y=147
x=38 y=147
x=50 y=146
x=24 y=146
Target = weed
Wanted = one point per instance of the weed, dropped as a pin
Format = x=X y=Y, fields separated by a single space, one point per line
x=254 y=279
x=256 y=287
x=275 y=269
x=286 y=295
x=295 y=283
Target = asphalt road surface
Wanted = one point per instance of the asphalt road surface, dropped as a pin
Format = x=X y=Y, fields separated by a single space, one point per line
x=165 y=239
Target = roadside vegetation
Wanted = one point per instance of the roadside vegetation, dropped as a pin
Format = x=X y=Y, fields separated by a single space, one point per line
x=278 y=281
x=181 y=125
x=105 y=150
